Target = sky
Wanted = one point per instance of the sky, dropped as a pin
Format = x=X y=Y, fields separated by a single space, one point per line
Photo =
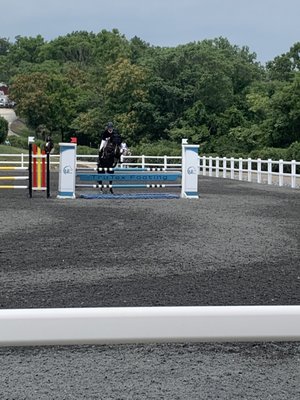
x=268 y=27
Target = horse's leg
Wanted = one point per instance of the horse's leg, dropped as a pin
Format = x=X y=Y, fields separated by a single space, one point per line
x=111 y=182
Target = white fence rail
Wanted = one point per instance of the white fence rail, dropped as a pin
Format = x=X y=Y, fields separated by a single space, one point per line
x=80 y=326
x=282 y=173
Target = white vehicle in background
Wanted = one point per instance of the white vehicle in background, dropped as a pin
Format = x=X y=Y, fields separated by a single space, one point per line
x=4 y=103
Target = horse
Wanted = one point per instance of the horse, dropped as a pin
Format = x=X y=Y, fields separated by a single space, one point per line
x=109 y=157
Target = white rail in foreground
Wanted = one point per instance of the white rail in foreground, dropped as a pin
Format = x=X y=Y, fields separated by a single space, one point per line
x=67 y=326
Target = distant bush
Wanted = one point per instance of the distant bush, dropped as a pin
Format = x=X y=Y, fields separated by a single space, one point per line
x=19 y=141
x=86 y=150
x=293 y=152
x=161 y=148
x=22 y=142
x=3 y=129
x=273 y=153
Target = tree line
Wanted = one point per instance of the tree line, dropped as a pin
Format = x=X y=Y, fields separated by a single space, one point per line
x=211 y=92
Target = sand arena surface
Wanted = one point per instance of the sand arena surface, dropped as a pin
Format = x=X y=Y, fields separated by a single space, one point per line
x=237 y=245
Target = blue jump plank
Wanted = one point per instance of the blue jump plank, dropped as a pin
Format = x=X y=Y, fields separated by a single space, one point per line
x=129 y=177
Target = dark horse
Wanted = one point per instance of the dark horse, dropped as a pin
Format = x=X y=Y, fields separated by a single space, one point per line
x=109 y=157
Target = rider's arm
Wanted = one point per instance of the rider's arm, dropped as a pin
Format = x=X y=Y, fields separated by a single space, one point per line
x=102 y=144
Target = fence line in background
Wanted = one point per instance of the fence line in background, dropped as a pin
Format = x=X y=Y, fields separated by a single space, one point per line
x=261 y=171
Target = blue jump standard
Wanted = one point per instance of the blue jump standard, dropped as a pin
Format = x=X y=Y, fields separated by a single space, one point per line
x=131 y=196
x=128 y=177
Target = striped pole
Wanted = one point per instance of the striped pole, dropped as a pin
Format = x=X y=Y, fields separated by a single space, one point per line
x=14 y=178
x=13 y=187
x=13 y=168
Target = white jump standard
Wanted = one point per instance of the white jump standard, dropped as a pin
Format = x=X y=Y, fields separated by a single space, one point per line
x=144 y=177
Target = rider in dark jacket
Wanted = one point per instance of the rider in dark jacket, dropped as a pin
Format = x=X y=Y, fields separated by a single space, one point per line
x=110 y=133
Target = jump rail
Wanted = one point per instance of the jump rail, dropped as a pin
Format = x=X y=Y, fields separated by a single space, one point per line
x=70 y=326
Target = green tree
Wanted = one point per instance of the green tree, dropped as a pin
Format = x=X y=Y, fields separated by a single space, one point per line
x=4 y=46
x=46 y=99
x=3 y=129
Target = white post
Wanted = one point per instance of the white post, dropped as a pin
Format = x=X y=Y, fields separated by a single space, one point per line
x=280 y=177
x=224 y=167
x=210 y=167
x=217 y=167
x=249 y=170
x=269 y=171
x=165 y=162
x=293 y=174
x=231 y=168
x=189 y=180
x=240 y=169
x=204 y=165
x=67 y=171
x=258 y=170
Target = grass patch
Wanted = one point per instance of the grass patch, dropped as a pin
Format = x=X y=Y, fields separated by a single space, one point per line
x=11 y=150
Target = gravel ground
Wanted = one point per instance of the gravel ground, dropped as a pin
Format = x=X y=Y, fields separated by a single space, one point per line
x=237 y=245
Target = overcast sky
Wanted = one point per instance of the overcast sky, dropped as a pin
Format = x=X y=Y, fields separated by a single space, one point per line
x=268 y=27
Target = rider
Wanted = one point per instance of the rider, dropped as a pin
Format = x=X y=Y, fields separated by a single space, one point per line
x=106 y=135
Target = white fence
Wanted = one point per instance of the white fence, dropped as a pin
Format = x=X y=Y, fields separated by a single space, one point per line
x=281 y=173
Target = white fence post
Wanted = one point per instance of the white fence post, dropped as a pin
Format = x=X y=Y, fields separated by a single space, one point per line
x=217 y=167
x=293 y=174
x=224 y=167
x=269 y=171
x=280 y=178
x=258 y=170
x=249 y=170
x=204 y=165
x=165 y=162
x=231 y=168
x=210 y=166
x=143 y=161
x=240 y=169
